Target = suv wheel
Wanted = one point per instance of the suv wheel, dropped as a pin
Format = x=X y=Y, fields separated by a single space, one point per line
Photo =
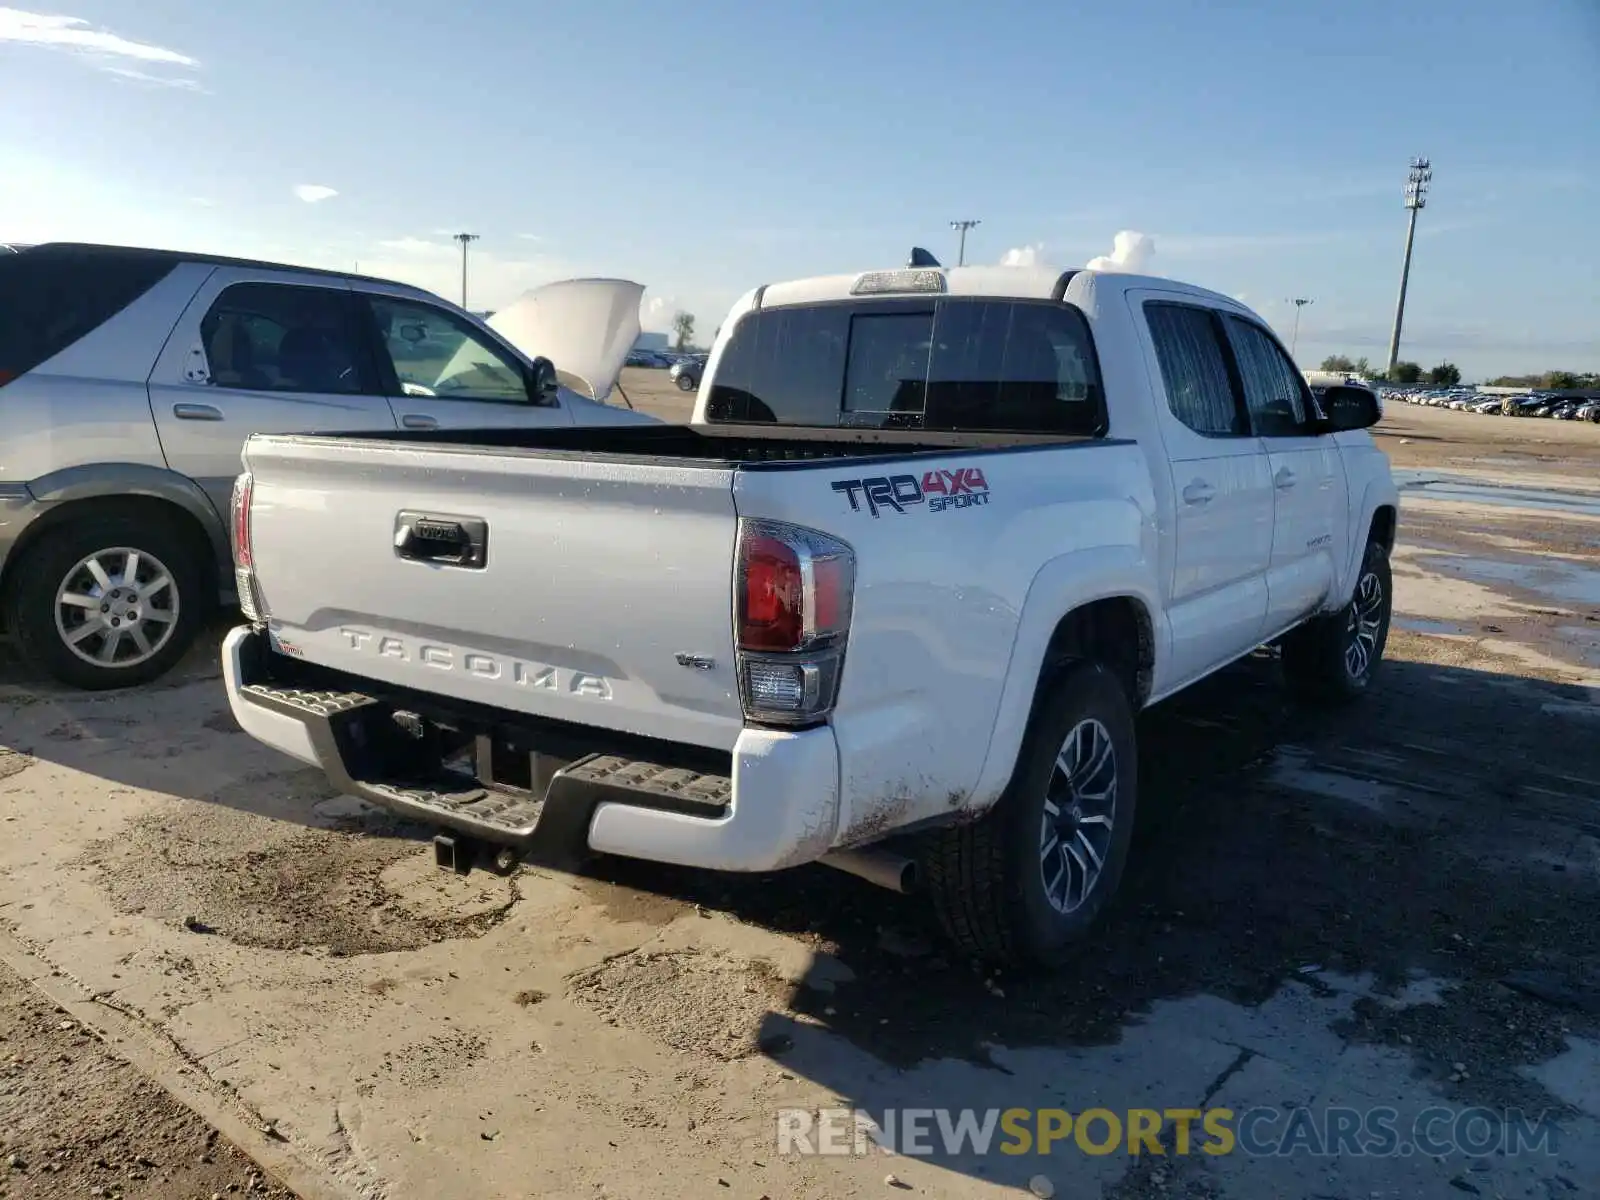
x=685 y=381
x=1031 y=877
x=109 y=602
x=1332 y=659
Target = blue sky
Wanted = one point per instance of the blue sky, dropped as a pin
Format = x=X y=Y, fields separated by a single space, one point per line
x=708 y=146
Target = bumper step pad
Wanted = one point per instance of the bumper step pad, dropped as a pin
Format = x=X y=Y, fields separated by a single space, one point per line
x=496 y=815
x=652 y=779
x=493 y=814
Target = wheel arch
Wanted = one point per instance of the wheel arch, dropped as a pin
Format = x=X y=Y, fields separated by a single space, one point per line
x=1385 y=521
x=1101 y=606
x=71 y=495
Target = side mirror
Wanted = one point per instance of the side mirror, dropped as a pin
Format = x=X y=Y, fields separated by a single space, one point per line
x=413 y=333
x=1345 y=407
x=543 y=385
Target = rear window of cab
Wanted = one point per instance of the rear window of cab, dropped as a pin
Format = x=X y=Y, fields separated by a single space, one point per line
x=951 y=364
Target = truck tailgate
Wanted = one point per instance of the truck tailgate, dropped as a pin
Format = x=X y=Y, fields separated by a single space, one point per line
x=597 y=578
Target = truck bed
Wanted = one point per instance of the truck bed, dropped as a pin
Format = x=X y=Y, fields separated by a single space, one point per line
x=720 y=446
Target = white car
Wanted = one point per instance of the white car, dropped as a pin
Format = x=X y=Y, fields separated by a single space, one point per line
x=889 y=603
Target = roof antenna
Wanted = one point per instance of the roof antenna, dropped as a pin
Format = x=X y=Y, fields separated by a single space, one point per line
x=921 y=258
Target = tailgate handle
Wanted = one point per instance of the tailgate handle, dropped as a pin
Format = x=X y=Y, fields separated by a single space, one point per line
x=448 y=540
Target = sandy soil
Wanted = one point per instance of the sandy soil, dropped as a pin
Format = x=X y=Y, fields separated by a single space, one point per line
x=1320 y=909
x=76 y=1120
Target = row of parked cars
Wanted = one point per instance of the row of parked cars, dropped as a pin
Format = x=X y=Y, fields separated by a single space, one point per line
x=1561 y=406
x=684 y=369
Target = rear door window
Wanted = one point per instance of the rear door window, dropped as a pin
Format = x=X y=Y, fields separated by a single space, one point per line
x=951 y=365
x=1194 y=369
x=50 y=297
x=274 y=337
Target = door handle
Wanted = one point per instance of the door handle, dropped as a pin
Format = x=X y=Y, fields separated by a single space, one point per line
x=197 y=412
x=1284 y=479
x=418 y=421
x=1198 y=492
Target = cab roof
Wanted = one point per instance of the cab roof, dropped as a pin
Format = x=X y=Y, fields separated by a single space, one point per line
x=1017 y=283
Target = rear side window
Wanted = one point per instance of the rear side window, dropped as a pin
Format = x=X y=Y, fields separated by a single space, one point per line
x=273 y=337
x=51 y=297
x=953 y=365
x=1194 y=369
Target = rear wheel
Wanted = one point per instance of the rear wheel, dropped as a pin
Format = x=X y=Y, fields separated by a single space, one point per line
x=1333 y=659
x=109 y=601
x=1032 y=876
x=685 y=382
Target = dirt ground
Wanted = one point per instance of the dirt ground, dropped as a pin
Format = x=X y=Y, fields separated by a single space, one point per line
x=1393 y=905
x=76 y=1120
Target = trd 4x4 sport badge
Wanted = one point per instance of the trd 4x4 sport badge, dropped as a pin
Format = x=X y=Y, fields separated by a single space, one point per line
x=962 y=487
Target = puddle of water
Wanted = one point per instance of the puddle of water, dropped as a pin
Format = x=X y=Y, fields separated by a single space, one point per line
x=1584 y=641
x=1564 y=581
x=1471 y=491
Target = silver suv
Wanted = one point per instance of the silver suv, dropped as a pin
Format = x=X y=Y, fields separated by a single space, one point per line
x=129 y=380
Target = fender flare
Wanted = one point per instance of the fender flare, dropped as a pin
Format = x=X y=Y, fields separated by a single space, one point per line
x=109 y=481
x=1379 y=493
x=1062 y=585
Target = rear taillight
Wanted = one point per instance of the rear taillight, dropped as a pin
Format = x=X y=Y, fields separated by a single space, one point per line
x=6 y=376
x=794 y=589
x=244 y=565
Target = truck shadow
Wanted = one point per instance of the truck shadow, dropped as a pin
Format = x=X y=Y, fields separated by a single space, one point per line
x=1444 y=829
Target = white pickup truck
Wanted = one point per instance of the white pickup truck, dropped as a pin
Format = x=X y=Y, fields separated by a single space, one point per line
x=890 y=601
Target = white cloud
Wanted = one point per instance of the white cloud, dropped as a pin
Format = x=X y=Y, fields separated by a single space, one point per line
x=655 y=315
x=99 y=48
x=531 y=237
x=1024 y=256
x=1130 y=252
x=417 y=246
x=314 y=193
x=74 y=35
x=181 y=82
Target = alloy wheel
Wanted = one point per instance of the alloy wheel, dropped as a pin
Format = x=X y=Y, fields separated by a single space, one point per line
x=1366 y=622
x=117 y=607
x=1080 y=809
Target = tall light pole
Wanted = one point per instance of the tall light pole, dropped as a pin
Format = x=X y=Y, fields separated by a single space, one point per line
x=1417 y=180
x=465 y=239
x=1299 y=303
x=963 y=226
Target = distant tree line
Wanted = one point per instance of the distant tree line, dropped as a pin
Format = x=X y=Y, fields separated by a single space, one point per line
x=1555 y=381
x=1446 y=374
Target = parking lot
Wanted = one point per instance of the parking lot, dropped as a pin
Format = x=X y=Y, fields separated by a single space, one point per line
x=1391 y=906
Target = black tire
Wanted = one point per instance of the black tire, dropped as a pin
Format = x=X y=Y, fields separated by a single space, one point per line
x=988 y=880
x=685 y=382
x=1320 y=661
x=32 y=611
